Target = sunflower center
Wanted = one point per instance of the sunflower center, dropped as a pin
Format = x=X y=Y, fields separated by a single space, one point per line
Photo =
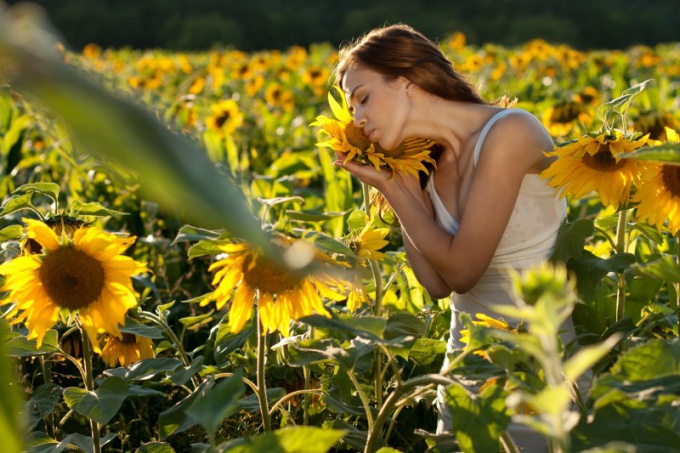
x=269 y=277
x=603 y=160
x=565 y=113
x=671 y=179
x=71 y=278
x=220 y=120
x=129 y=338
x=356 y=137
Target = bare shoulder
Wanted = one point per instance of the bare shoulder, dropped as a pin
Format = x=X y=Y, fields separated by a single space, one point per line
x=517 y=138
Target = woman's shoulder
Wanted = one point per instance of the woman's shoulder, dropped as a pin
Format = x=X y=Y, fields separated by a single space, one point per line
x=516 y=136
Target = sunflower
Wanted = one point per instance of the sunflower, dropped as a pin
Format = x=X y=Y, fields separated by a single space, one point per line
x=283 y=295
x=226 y=117
x=592 y=164
x=86 y=275
x=488 y=322
x=61 y=224
x=128 y=349
x=411 y=156
x=369 y=241
x=366 y=246
x=658 y=192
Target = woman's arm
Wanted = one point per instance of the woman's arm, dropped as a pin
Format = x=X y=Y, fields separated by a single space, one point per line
x=511 y=149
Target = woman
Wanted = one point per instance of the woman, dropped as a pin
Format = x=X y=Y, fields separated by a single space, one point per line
x=485 y=208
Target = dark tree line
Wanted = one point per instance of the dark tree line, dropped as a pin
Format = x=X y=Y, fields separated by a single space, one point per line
x=268 y=24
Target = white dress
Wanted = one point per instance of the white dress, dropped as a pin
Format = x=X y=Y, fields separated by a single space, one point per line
x=528 y=240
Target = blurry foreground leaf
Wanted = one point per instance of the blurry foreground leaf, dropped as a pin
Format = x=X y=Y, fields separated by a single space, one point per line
x=176 y=172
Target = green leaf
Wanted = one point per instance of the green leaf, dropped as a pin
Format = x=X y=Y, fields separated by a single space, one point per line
x=202 y=248
x=586 y=357
x=325 y=242
x=194 y=321
x=571 y=240
x=280 y=200
x=145 y=369
x=666 y=153
x=101 y=404
x=182 y=374
x=190 y=233
x=48 y=189
x=402 y=324
x=175 y=420
x=477 y=419
x=21 y=347
x=425 y=350
x=311 y=215
x=45 y=398
x=664 y=269
x=217 y=403
x=10 y=403
x=93 y=208
x=142 y=330
x=651 y=359
x=649 y=232
x=590 y=270
x=155 y=447
x=15 y=204
x=12 y=232
x=12 y=136
x=227 y=342
x=300 y=439
x=251 y=403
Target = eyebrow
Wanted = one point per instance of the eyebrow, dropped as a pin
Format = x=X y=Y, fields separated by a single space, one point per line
x=351 y=94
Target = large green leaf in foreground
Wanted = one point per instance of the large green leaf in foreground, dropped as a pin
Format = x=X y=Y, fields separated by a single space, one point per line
x=173 y=170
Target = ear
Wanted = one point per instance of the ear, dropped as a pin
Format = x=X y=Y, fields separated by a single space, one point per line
x=409 y=86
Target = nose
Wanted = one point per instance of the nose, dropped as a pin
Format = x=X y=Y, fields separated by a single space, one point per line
x=359 y=119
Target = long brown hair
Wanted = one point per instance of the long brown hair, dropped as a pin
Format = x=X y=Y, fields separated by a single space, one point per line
x=401 y=51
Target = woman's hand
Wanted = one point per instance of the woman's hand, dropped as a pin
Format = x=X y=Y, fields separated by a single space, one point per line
x=385 y=180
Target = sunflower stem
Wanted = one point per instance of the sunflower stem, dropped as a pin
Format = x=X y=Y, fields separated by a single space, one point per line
x=175 y=340
x=307 y=372
x=377 y=311
x=621 y=280
x=89 y=385
x=367 y=199
x=261 y=382
x=677 y=285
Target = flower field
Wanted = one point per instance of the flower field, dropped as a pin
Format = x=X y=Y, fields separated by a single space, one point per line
x=184 y=268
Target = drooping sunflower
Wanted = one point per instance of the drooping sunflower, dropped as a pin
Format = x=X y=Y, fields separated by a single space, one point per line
x=128 y=349
x=365 y=245
x=658 y=192
x=87 y=276
x=369 y=241
x=226 y=117
x=411 y=156
x=282 y=294
x=592 y=163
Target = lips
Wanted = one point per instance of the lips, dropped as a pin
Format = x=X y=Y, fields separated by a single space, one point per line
x=369 y=133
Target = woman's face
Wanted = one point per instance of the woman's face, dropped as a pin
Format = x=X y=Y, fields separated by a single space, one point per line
x=379 y=107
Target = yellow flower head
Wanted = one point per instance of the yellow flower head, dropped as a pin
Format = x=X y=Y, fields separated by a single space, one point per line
x=485 y=321
x=593 y=164
x=369 y=241
x=658 y=192
x=126 y=350
x=226 y=117
x=86 y=275
x=282 y=294
x=411 y=156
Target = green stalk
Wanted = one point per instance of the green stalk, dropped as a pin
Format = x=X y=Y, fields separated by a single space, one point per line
x=307 y=372
x=89 y=385
x=173 y=338
x=677 y=285
x=261 y=382
x=621 y=280
x=377 y=311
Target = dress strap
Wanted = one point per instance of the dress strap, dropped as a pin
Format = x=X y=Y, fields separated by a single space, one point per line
x=487 y=127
